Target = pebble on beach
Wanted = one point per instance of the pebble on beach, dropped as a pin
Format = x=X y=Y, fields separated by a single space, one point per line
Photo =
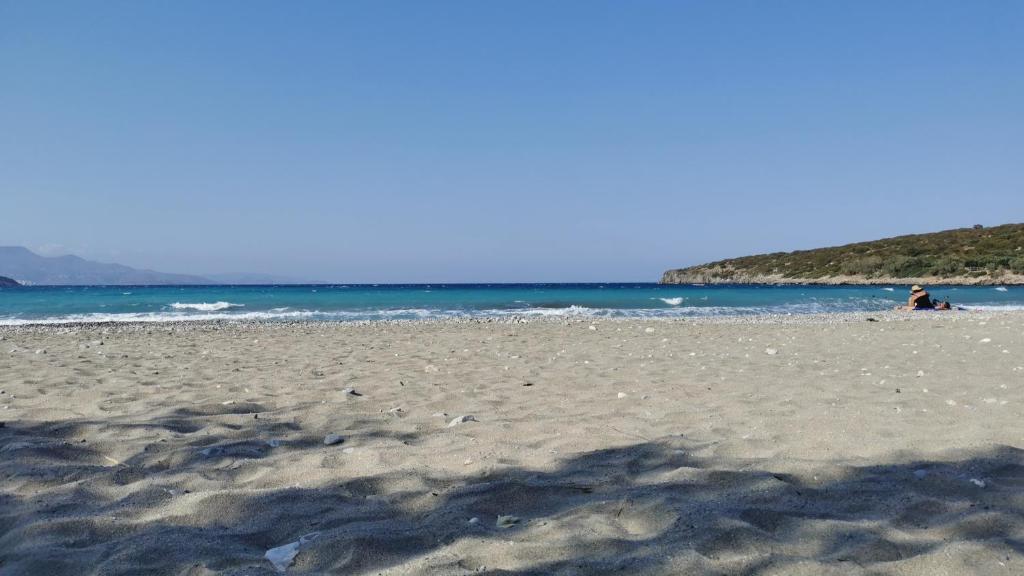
x=332 y=439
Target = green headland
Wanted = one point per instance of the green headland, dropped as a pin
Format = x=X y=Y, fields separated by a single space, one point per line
x=977 y=255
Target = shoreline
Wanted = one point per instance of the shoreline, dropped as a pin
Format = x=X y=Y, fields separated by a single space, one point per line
x=767 y=318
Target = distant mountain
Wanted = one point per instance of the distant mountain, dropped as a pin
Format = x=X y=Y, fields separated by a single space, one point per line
x=5 y=281
x=28 y=267
x=975 y=255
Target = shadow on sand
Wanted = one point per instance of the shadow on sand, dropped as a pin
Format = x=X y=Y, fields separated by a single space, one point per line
x=647 y=508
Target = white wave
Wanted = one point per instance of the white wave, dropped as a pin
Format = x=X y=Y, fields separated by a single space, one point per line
x=992 y=307
x=142 y=317
x=889 y=289
x=269 y=315
x=1001 y=288
x=569 y=311
x=288 y=314
x=672 y=301
x=205 y=306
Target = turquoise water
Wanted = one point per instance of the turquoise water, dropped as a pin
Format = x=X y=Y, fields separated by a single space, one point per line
x=364 y=302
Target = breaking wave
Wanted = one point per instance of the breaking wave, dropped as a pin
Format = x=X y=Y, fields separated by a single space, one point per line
x=205 y=306
x=993 y=307
x=289 y=315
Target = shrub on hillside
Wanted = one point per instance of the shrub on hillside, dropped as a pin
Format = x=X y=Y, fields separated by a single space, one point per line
x=867 y=266
x=905 y=267
x=947 y=266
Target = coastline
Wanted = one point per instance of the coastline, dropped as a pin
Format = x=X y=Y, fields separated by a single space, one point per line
x=187 y=324
x=671 y=277
x=818 y=444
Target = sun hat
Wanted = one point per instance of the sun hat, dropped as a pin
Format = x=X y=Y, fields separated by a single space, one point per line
x=916 y=288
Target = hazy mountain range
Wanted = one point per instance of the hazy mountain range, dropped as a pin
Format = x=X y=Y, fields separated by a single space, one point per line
x=27 y=267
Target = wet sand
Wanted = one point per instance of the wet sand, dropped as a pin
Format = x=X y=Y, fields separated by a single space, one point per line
x=811 y=446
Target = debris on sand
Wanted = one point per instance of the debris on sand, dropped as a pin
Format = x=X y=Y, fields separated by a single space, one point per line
x=462 y=420
x=283 y=556
x=506 y=521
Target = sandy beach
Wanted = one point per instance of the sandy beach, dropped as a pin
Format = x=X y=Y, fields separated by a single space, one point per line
x=814 y=445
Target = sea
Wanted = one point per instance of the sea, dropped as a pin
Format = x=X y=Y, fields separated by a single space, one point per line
x=355 y=302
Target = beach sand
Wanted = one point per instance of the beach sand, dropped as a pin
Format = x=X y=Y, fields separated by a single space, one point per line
x=812 y=446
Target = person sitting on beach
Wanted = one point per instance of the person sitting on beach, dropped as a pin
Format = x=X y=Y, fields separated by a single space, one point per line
x=919 y=300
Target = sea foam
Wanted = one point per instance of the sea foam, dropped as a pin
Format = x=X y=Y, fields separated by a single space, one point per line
x=205 y=306
x=672 y=301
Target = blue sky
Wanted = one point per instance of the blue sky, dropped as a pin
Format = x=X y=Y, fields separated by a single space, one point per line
x=378 y=141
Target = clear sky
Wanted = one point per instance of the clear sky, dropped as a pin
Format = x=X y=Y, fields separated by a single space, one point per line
x=378 y=141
